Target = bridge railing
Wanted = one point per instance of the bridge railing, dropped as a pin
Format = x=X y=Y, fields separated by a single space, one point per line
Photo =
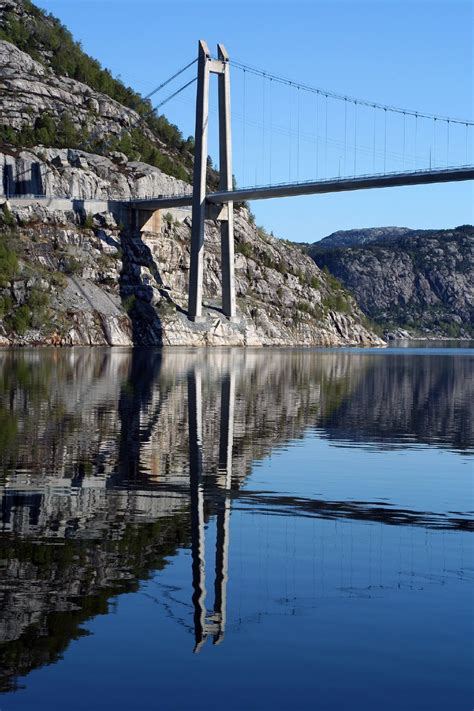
x=358 y=176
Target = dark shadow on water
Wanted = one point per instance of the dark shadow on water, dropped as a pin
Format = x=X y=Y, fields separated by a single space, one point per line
x=135 y=398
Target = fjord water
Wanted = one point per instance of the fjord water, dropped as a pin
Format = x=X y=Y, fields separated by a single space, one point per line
x=238 y=529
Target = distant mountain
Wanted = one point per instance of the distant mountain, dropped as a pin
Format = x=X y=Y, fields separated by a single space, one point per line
x=351 y=238
x=418 y=280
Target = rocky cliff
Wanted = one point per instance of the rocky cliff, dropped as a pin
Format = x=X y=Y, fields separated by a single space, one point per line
x=72 y=173
x=53 y=94
x=353 y=238
x=76 y=274
x=80 y=279
x=420 y=281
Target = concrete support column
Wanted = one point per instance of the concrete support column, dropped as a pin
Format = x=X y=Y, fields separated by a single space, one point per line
x=199 y=185
x=225 y=169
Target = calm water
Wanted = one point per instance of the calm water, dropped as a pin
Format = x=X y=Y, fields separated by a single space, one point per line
x=268 y=529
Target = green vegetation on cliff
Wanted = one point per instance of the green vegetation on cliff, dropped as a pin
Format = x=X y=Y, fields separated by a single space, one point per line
x=62 y=133
x=47 y=41
x=25 y=286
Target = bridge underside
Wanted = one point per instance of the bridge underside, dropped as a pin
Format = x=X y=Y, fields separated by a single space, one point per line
x=315 y=187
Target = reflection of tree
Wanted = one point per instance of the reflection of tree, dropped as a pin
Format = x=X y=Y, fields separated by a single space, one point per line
x=98 y=449
x=400 y=400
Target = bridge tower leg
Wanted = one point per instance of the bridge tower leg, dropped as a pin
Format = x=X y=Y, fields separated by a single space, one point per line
x=206 y=66
x=199 y=185
x=225 y=170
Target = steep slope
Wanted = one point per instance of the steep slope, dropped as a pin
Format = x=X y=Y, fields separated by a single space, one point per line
x=73 y=278
x=53 y=94
x=76 y=272
x=422 y=281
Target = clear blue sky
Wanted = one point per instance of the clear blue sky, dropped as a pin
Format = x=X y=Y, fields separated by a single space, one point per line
x=417 y=55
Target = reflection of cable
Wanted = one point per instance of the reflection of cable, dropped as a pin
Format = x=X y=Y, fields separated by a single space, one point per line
x=169 y=612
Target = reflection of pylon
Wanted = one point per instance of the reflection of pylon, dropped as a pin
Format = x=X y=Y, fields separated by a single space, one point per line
x=214 y=623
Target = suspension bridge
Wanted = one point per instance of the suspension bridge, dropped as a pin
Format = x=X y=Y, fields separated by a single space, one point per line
x=353 y=144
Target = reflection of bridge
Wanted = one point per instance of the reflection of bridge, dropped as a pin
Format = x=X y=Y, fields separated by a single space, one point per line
x=218 y=205
x=170 y=438
x=222 y=494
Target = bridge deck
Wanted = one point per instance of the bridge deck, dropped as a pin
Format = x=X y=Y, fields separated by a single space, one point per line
x=314 y=187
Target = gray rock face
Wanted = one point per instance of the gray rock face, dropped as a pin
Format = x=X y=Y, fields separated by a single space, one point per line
x=107 y=286
x=66 y=172
x=352 y=238
x=423 y=281
x=28 y=89
x=53 y=93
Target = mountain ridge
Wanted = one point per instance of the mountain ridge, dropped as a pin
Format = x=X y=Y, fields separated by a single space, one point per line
x=421 y=281
x=364 y=235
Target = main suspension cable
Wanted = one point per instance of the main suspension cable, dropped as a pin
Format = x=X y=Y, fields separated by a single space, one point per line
x=171 y=96
x=345 y=97
x=161 y=86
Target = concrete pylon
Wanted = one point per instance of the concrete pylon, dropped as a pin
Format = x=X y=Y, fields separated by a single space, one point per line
x=199 y=184
x=206 y=66
x=225 y=170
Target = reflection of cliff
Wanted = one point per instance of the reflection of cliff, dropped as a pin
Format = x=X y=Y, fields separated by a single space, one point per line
x=111 y=461
x=48 y=592
x=90 y=437
x=77 y=426
x=400 y=400
x=96 y=459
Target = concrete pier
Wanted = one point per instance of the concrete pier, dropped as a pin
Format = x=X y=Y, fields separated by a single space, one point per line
x=199 y=185
x=225 y=170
